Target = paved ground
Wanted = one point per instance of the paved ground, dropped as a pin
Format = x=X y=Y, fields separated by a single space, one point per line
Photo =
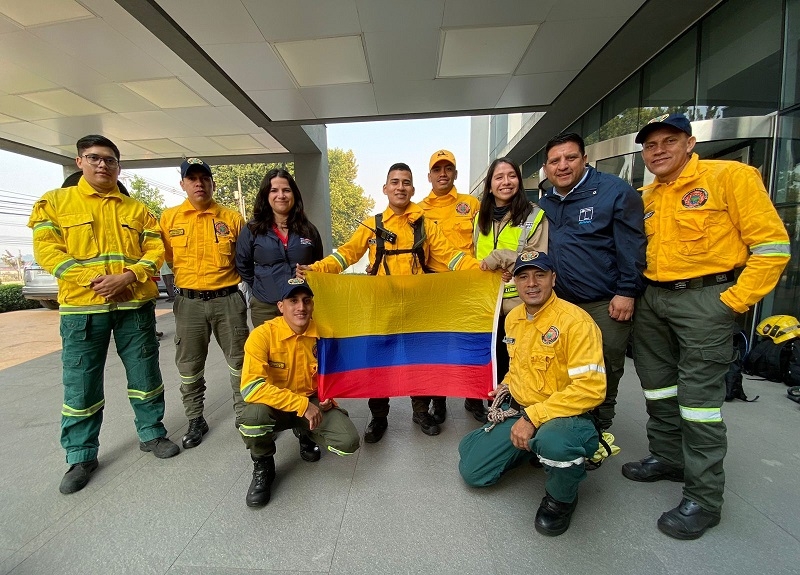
x=395 y=507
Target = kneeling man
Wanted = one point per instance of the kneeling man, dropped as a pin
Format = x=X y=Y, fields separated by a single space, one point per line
x=556 y=376
x=279 y=387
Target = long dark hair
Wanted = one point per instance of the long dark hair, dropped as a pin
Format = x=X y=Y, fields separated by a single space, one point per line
x=519 y=206
x=263 y=216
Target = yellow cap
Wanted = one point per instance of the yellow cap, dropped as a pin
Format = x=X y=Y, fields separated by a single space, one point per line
x=442 y=155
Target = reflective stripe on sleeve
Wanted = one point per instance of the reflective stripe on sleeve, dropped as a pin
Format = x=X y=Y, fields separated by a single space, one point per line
x=340 y=259
x=454 y=262
x=779 y=249
x=662 y=393
x=249 y=389
x=701 y=414
x=586 y=368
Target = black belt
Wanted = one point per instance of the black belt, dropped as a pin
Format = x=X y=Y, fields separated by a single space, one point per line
x=206 y=295
x=695 y=283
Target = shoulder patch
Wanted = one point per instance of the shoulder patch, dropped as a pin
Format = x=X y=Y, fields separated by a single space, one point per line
x=694 y=198
x=550 y=336
x=462 y=208
x=314 y=351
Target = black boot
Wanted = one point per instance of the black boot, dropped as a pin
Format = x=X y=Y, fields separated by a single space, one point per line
x=651 y=469
x=261 y=486
x=376 y=429
x=194 y=436
x=687 y=521
x=309 y=450
x=553 y=516
x=476 y=407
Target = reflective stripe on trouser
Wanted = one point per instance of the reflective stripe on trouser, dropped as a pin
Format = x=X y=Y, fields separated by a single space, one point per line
x=682 y=349
x=195 y=321
x=562 y=445
x=85 y=340
x=615 y=342
x=260 y=422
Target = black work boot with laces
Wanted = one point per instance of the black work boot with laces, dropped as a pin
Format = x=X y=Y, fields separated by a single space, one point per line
x=309 y=450
x=261 y=486
x=194 y=436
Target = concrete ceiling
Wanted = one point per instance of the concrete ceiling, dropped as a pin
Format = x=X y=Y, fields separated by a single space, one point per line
x=245 y=78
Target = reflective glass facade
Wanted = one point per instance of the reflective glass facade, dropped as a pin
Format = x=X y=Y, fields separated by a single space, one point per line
x=738 y=67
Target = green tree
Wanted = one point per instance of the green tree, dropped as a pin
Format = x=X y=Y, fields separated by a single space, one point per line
x=227 y=177
x=349 y=205
x=150 y=196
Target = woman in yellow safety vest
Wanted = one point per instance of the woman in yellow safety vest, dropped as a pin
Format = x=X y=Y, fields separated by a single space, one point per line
x=506 y=224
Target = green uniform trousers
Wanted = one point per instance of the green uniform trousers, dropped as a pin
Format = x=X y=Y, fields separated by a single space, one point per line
x=561 y=444
x=261 y=312
x=260 y=423
x=616 y=335
x=682 y=347
x=195 y=321
x=85 y=340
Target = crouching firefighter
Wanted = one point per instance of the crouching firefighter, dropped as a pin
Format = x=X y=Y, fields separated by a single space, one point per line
x=556 y=376
x=279 y=387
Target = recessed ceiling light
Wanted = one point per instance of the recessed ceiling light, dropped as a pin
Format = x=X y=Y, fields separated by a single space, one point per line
x=166 y=93
x=490 y=51
x=325 y=61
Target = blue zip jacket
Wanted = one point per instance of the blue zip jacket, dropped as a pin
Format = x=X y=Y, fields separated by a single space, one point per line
x=266 y=266
x=597 y=241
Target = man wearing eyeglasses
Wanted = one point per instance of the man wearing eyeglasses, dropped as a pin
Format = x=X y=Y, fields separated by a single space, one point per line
x=200 y=240
x=103 y=247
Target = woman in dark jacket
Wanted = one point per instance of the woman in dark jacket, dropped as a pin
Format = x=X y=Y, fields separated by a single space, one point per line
x=272 y=244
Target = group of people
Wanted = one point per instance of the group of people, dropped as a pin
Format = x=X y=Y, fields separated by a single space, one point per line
x=592 y=265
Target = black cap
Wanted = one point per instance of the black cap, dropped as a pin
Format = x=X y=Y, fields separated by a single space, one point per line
x=533 y=260
x=195 y=163
x=295 y=285
x=677 y=121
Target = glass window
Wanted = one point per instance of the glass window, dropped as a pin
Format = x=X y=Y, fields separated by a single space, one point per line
x=668 y=81
x=591 y=126
x=740 y=68
x=620 y=166
x=791 y=83
x=620 y=111
x=787 y=174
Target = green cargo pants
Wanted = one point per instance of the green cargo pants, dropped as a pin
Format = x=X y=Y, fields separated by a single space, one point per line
x=261 y=312
x=85 y=340
x=615 y=343
x=260 y=423
x=195 y=321
x=682 y=347
x=562 y=445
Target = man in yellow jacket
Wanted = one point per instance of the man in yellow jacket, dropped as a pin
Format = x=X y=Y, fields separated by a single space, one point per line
x=556 y=376
x=200 y=241
x=397 y=245
x=279 y=387
x=103 y=247
x=715 y=247
x=453 y=213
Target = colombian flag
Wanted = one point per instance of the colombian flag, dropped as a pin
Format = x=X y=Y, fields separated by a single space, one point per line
x=385 y=336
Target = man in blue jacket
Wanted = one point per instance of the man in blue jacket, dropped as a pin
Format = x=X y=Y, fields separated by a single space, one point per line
x=597 y=245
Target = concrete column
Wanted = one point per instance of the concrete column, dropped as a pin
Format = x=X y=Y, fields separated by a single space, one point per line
x=312 y=176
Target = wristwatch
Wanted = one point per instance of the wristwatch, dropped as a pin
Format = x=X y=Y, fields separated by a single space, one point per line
x=525 y=415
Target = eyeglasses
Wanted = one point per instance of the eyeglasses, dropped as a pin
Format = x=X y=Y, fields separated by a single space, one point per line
x=94 y=160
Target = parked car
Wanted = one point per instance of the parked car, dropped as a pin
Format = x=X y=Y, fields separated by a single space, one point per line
x=42 y=285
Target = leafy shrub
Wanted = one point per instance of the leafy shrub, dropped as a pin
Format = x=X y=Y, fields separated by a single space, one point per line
x=11 y=299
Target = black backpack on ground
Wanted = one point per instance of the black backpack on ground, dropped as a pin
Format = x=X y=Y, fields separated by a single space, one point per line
x=733 y=379
x=775 y=361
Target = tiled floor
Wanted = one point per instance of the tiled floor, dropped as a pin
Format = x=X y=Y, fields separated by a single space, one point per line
x=395 y=507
